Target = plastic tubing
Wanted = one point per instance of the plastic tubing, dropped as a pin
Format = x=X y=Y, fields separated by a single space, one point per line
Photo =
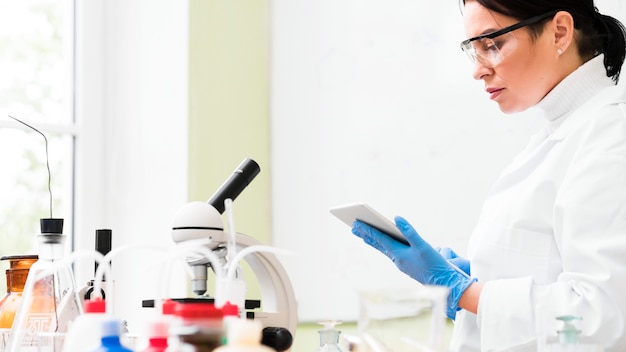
x=185 y=248
x=232 y=235
x=99 y=275
x=232 y=266
x=181 y=250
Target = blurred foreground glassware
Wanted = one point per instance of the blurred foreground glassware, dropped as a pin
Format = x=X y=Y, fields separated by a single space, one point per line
x=50 y=301
x=329 y=336
x=50 y=341
x=198 y=327
x=398 y=320
x=569 y=337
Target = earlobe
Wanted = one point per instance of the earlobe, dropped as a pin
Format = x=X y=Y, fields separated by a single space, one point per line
x=563 y=26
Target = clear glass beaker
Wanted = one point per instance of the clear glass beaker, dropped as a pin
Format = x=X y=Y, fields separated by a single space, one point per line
x=50 y=301
x=403 y=319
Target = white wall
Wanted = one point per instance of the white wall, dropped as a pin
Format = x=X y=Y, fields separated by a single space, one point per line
x=374 y=101
x=133 y=93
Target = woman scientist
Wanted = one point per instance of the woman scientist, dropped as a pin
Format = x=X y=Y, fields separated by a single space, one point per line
x=551 y=238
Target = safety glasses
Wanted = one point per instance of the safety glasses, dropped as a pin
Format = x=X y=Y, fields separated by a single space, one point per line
x=491 y=48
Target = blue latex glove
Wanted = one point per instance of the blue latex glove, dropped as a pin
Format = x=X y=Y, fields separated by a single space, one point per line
x=453 y=258
x=418 y=260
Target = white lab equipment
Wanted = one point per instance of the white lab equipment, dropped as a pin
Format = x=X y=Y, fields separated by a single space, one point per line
x=200 y=220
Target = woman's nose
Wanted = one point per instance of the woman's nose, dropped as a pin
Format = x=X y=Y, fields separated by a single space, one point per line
x=480 y=70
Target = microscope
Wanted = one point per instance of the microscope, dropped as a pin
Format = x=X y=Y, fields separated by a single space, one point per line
x=201 y=221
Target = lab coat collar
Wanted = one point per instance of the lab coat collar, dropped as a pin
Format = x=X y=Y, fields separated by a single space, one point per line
x=595 y=93
x=586 y=81
x=576 y=95
x=615 y=94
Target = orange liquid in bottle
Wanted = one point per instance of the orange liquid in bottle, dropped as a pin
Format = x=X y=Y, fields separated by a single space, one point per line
x=16 y=279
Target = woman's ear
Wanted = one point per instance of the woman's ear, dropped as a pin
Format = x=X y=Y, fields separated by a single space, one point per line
x=563 y=26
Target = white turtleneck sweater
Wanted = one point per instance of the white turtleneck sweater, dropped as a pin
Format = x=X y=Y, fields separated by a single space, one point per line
x=574 y=91
x=551 y=238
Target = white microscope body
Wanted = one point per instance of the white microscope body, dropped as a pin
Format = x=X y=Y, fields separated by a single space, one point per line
x=203 y=221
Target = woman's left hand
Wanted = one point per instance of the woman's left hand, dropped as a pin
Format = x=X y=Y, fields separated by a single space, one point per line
x=418 y=259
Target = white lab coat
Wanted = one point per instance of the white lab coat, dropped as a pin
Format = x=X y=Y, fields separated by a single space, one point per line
x=551 y=238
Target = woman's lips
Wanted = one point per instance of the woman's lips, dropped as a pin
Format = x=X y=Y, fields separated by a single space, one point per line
x=494 y=92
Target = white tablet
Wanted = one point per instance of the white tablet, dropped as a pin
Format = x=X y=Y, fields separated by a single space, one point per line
x=348 y=213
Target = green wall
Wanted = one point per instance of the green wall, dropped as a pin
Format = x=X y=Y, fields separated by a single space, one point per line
x=229 y=104
x=229 y=115
x=229 y=109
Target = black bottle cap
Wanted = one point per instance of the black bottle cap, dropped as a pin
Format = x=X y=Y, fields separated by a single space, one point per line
x=19 y=257
x=103 y=245
x=103 y=241
x=51 y=226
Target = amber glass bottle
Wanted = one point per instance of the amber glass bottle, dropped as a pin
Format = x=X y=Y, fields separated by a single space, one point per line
x=16 y=274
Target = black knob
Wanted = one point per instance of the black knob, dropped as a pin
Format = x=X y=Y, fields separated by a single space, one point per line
x=280 y=339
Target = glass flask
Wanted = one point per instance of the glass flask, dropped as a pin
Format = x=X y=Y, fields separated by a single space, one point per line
x=568 y=337
x=329 y=337
x=16 y=279
x=50 y=301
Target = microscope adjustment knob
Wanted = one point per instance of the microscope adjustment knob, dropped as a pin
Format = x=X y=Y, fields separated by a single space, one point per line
x=277 y=338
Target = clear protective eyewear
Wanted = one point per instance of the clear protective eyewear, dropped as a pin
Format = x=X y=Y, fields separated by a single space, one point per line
x=491 y=48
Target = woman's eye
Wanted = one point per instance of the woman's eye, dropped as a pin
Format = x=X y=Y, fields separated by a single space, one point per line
x=498 y=44
x=490 y=47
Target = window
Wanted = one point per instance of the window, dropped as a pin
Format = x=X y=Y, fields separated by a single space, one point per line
x=37 y=87
x=114 y=109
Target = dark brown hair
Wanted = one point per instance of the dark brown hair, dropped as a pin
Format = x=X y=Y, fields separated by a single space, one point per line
x=598 y=33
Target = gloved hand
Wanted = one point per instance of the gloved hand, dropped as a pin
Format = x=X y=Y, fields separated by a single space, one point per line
x=418 y=260
x=453 y=258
